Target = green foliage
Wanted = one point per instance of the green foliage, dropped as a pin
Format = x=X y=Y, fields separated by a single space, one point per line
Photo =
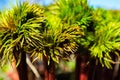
x=71 y=12
x=100 y=28
x=59 y=36
x=59 y=31
x=58 y=39
x=107 y=42
x=20 y=29
x=25 y=29
x=75 y=13
x=107 y=37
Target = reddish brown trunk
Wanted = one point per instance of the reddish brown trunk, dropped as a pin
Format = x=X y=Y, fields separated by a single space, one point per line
x=49 y=75
x=50 y=71
x=81 y=68
x=22 y=68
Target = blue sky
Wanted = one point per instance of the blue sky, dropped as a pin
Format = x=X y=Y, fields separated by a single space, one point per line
x=107 y=4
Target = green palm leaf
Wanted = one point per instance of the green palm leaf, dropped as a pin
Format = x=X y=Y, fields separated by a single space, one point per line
x=107 y=42
x=20 y=30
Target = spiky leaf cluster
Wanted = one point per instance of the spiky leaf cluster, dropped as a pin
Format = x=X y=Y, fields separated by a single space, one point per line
x=107 y=38
x=20 y=30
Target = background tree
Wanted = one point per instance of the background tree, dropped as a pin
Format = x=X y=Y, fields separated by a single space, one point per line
x=106 y=44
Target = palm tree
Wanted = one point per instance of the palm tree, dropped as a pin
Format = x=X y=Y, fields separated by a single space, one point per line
x=101 y=19
x=106 y=45
x=19 y=34
x=59 y=42
x=77 y=13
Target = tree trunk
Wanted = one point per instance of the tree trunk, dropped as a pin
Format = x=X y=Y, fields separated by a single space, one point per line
x=81 y=67
x=118 y=75
x=50 y=71
x=92 y=70
x=49 y=75
x=22 y=68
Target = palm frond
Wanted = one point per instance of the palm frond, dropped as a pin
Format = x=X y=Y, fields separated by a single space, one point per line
x=20 y=29
x=107 y=42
